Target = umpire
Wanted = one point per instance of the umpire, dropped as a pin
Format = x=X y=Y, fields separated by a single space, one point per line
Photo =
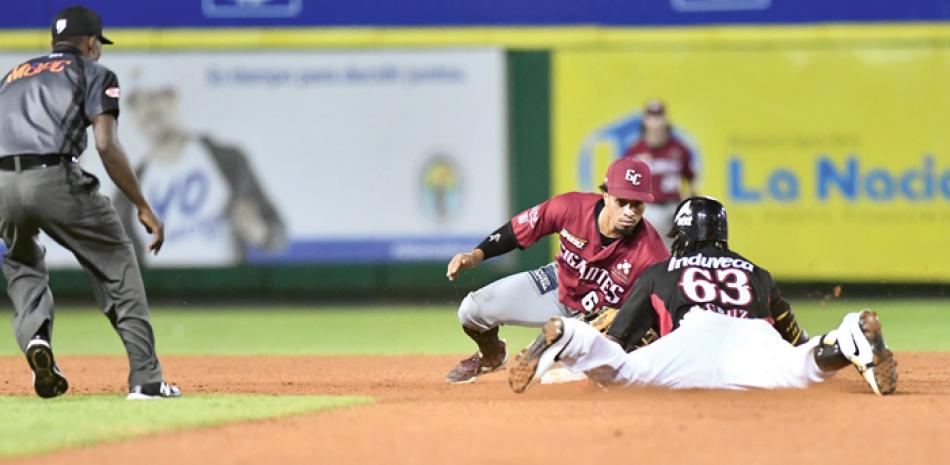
x=48 y=103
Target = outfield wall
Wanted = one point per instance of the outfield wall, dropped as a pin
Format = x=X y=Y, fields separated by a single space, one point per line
x=801 y=154
x=374 y=167
x=834 y=162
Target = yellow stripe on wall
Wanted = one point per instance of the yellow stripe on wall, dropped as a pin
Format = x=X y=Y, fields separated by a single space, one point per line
x=510 y=37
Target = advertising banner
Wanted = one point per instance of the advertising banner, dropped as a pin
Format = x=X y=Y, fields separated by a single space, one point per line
x=477 y=13
x=834 y=163
x=303 y=157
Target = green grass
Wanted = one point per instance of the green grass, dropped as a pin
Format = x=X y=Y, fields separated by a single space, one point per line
x=32 y=425
x=909 y=325
x=912 y=325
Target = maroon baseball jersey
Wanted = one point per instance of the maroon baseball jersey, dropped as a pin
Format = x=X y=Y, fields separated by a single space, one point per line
x=670 y=164
x=590 y=275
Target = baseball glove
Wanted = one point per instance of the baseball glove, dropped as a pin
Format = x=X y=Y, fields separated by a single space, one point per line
x=650 y=336
x=601 y=319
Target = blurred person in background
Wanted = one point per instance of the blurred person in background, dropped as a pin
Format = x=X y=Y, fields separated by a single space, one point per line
x=671 y=163
x=213 y=204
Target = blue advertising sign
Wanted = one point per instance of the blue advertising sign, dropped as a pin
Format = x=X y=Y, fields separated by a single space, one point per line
x=419 y=13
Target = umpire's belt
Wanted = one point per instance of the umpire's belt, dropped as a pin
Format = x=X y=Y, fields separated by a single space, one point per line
x=29 y=162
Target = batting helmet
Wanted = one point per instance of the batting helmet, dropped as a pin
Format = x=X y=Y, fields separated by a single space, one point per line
x=699 y=220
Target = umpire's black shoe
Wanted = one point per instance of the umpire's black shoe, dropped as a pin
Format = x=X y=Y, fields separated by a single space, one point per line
x=48 y=380
x=159 y=390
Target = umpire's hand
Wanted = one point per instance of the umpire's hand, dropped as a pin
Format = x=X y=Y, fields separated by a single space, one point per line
x=153 y=226
x=464 y=260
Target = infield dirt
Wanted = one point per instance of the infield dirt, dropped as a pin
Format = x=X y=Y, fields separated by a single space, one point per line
x=420 y=420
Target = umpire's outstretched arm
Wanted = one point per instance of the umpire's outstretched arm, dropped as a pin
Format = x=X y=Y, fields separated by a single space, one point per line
x=117 y=165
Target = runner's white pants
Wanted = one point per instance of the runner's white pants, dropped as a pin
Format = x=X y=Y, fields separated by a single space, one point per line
x=708 y=351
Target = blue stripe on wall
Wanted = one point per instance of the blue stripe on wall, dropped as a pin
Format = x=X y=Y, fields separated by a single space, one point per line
x=376 y=250
x=383 y=250
x=409 y=13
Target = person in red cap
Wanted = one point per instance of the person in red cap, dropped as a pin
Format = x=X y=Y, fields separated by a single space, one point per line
x=670 y=161
x=605 y=244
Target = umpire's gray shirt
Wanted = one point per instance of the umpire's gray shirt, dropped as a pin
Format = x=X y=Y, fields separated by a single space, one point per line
x=49 y=101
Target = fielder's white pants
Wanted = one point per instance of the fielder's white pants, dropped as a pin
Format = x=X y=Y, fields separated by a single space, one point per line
x=707 y=351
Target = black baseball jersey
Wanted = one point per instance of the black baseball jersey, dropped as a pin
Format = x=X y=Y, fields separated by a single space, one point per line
x=712 y=280
x=50 y=100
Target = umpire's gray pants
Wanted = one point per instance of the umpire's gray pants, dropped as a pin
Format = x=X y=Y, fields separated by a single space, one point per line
x=523 y=299
x=66 y=204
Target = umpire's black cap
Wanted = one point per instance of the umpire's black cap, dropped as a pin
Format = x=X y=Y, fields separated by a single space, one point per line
x=78 y=21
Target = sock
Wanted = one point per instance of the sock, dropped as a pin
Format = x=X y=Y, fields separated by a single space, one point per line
x=488 y=342
x=43 y=332
x=828 y=355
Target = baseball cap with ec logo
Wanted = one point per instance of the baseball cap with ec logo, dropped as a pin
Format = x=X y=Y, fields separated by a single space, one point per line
x=78 y=21
x=630 y=179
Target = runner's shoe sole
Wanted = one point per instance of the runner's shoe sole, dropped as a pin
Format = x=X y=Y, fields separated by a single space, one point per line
x=523 y=370
x=881 y=374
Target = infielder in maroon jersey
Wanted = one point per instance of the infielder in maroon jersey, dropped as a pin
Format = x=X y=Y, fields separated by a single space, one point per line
x=670 y=161
x=605 y=244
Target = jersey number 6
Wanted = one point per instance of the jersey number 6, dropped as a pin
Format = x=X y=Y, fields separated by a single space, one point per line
x=700 y=287
x=590 y=301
